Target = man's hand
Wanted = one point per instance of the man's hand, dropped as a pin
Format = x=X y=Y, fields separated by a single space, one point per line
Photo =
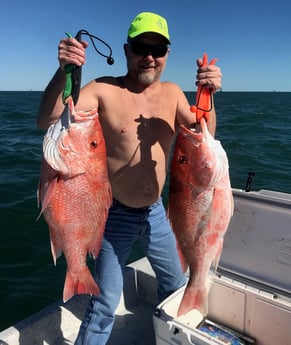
x=72 y=52
x=208 y=76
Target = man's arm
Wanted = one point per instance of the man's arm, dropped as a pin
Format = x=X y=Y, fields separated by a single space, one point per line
x=51 y=106
x=70 y=51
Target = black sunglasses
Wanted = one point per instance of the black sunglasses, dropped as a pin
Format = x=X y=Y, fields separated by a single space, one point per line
x=141 y=49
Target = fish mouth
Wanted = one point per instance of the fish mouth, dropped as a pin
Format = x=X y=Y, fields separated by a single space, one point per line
x=57 y=143
x=195 y=134
x=198 y=134
x=53 y=137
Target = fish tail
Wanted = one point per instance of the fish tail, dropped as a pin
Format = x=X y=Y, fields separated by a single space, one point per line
x=82 y=283
x=194 y=299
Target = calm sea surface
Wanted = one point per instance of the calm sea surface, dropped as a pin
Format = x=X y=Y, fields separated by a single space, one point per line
x=254 y=128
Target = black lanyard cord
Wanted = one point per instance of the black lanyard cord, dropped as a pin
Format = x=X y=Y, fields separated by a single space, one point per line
x=109 y=57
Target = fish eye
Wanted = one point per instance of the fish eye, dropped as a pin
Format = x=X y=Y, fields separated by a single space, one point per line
x=93 y=144
x=183 y=159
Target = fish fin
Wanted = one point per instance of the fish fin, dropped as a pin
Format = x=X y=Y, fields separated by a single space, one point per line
x=218 y=254
x=94 y=251
x=47 y=195
x=56 y=252
x=183 y=261
x=38 y=200
x=38 y=196
x=83 y=283
x=194 y=299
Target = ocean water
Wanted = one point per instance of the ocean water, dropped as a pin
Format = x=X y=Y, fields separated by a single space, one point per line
x=254 y=128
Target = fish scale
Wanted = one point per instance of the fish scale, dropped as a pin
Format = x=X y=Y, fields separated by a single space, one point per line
x=75 y=194
x=200 y=208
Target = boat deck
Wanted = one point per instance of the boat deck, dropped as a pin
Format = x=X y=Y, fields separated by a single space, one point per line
x=250 y=293
x=59 y=323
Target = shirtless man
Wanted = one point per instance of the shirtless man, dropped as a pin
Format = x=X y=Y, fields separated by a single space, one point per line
x=139 y=115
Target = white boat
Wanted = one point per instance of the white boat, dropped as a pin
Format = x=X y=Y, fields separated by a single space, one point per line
x=250 y=293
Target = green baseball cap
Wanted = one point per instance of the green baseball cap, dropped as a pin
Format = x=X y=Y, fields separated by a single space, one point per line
x=149 y=22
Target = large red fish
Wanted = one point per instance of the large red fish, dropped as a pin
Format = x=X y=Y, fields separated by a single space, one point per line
x=200 y=208
x=75 y=194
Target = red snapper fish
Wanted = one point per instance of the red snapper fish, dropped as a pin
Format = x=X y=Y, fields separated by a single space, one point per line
x=200 y=208
x=75 y=194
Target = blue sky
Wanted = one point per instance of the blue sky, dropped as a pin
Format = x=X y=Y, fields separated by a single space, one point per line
x=251 y=39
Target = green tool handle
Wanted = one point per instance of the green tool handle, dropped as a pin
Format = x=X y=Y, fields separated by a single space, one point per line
x=73 y=79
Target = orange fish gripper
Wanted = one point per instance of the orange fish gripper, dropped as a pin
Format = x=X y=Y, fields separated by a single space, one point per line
x=204 y=102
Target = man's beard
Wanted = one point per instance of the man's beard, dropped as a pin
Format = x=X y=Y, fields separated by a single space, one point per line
x=146 y=78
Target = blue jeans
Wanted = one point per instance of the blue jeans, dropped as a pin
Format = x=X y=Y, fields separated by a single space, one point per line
x=125 y=225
